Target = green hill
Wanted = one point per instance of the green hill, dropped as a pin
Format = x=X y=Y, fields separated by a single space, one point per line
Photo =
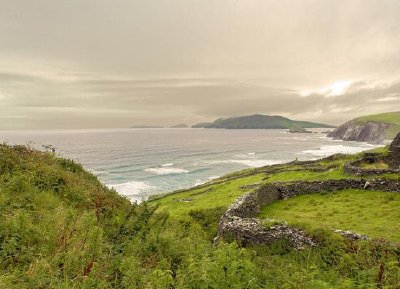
x=61 y=228
x=389 y=117
x=259 y=121
x=374 y=128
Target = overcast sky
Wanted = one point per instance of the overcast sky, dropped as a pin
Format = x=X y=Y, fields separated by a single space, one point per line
x=118 y=63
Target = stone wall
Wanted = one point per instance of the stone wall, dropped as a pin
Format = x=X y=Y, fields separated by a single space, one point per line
x=240 y=220
x=354 y=168
x=240 y=223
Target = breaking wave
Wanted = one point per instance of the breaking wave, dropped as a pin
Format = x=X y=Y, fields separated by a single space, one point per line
x=133 y=190
x=334 y=149
x=166 y=171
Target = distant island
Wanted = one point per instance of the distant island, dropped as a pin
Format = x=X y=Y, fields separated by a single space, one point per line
x=376 y=128
x=259 y=121
x=146 y=126
x=180 y=125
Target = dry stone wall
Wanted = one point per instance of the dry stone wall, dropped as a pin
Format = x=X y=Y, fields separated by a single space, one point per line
x=240 y=221
x=354 y=168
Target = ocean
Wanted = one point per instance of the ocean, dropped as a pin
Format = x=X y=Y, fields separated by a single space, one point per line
x=141 y=162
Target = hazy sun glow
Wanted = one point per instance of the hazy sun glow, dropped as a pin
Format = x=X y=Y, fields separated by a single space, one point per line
x=336 y=88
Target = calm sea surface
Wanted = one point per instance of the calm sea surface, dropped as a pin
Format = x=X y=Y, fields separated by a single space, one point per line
x=142 y=162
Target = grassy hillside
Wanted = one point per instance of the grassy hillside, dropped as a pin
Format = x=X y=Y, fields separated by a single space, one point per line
x=259 y=121
x=218 y=195
x=373 y=213
x=222 y=192
x=61 y=228
x=58 y=224
x=389 y=117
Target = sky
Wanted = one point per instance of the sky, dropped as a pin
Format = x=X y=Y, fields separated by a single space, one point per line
x=105 y=64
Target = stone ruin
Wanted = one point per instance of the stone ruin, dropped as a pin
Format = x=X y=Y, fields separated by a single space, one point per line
x=354 y=168
x=240 y=222
x=392 y=159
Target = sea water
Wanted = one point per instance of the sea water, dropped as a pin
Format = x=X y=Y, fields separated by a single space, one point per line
x=141 y=162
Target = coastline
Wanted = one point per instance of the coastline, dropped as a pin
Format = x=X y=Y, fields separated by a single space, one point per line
x=139 y=163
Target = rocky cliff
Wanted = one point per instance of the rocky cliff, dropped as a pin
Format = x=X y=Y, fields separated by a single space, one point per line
x=375 y=128
x=355 y=130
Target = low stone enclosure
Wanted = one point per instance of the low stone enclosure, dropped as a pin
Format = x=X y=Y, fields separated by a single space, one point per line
x=240 y=221
x=392 y=160
x=355 y=168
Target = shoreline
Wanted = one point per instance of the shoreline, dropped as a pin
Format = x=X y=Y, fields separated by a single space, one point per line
x=155 y=164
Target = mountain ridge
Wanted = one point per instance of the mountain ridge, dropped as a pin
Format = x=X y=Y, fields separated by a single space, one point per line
x=259 y=121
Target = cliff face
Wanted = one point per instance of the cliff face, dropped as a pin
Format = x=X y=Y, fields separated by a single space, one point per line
x=354 y=130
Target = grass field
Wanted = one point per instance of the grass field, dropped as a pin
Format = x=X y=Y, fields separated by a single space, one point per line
x=221 y=193
x=206 y=197
x=375 y=214
x=381 y=165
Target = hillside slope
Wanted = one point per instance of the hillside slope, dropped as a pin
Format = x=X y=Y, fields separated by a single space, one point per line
x=370 y=128
x=259 y=121
x=61 y=228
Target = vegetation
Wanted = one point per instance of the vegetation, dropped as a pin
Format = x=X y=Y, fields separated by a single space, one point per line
x=388 y=117
x=375 y=214
x=61 y=228
x=219 y=195
x=381 y=165
x=259 y=121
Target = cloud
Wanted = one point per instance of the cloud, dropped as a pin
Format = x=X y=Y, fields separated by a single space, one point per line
x=165 y=101
x=118 y=63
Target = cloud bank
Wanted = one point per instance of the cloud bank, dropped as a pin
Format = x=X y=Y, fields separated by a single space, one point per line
x=89 y=64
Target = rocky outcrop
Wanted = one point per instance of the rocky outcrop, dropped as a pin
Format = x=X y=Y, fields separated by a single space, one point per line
x=351 y=235
x=240 y=221
x=355 y=130
x=298 y=130
x=394 y=151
